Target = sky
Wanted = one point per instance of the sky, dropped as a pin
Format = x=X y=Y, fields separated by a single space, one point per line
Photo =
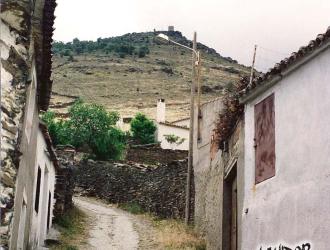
x=232 y=27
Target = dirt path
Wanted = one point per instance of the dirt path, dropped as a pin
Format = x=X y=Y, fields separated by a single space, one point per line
x=113 y=228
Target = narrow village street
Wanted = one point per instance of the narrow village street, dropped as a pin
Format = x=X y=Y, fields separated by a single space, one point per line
x=113 y=228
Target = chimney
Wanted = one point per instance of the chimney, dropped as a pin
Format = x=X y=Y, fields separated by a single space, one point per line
x=161 y=110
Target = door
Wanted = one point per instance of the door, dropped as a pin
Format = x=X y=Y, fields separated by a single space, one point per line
x=233 y=226
x=229 y=219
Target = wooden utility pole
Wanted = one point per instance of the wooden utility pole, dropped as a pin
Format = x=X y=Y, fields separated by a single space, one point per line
x=253 y=61
x=199 y=114
x=191 y=131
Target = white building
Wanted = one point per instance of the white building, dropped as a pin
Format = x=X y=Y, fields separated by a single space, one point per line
x=285 y=180
x=179 y=128
x=262 y=177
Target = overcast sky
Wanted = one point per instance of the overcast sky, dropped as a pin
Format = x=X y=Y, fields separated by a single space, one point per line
x=232 y=27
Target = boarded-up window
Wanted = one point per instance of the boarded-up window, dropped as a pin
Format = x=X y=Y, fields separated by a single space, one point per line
x=265 y=139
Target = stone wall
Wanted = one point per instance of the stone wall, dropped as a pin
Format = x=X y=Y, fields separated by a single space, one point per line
x=154 y=154
x=14 y=43
x=65 y=180
x=157 y=189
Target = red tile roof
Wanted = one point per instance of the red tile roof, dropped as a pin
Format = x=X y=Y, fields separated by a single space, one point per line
x=44 y=90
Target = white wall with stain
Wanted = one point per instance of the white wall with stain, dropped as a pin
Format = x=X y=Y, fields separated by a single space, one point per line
x=293 y=206
x=168 y=129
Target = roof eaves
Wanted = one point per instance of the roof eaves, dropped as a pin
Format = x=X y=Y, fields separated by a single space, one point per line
x=173 y=125
x=286 y=66
x=265 y=85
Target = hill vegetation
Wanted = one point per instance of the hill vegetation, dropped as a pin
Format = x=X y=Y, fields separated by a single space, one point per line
x=129 y=73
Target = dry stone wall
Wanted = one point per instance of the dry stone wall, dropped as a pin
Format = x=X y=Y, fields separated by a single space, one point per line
x=65 y=180
x=157 y=189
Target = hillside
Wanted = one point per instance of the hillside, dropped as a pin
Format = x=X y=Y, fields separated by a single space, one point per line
x=129 y=73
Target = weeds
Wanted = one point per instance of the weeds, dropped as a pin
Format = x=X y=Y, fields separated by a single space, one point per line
x=132 y=208
x=174 y=234
x=72 y=226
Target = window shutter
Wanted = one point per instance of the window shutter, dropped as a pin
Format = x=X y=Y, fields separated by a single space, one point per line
x=264 y=113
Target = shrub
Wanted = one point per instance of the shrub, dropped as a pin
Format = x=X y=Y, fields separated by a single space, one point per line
x=174 y=139
x=143 y=129
x=143 y=51
x=112 y=141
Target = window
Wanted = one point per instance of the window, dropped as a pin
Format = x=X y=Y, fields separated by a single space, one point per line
x=48 y=212
x=36 y=202
x=264 y=139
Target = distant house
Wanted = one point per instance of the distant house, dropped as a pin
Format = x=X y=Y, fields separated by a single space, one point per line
x=28 y=162
x=262 y=182
x=178 y=128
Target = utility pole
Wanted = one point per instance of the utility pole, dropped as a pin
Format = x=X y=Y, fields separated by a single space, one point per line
x=253 y=61
x=191 y=131
x=199 y=114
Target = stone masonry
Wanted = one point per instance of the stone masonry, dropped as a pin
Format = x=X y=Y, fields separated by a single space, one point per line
x=14 y=43
x=159 y=189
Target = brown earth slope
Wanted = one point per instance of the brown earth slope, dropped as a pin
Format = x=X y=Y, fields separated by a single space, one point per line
x=131 y=84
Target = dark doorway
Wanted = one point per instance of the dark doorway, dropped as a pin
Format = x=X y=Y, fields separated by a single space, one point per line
x=229 y=229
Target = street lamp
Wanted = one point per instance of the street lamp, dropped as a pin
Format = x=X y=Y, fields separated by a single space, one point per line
x=195 y=62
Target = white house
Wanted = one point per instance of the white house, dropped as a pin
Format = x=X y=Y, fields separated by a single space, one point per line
x=178 y=128
x=262 y=173
x=286 y=170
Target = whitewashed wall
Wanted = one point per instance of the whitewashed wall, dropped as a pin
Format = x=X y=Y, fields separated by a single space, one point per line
x=164 y=129
x=293 y=207
x=47 y=184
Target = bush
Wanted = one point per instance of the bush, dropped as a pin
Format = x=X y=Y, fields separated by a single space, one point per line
x=174 y=139
x=112 y=141
x=143 y=51
x=143 y=129
x=88 y=125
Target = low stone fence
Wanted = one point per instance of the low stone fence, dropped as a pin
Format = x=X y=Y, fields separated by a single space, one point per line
x=65 y=180
x=159 y=189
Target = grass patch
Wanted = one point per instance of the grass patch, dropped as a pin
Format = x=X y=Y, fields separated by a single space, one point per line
x=132 y=208
x=72 y=226
x=174 y=234
x=171 y=234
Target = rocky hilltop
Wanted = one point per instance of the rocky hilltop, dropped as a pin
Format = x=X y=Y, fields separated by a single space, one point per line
x=130 y=72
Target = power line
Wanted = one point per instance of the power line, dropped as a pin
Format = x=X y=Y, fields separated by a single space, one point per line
x=274 y=51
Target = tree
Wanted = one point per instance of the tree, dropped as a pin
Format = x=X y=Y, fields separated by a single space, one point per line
x=88 y=121
x=88 y=125
x=59 y=130
x=143 y=129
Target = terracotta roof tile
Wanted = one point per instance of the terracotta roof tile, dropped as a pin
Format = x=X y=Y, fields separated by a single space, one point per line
x=284 y=64
x=45 y=88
